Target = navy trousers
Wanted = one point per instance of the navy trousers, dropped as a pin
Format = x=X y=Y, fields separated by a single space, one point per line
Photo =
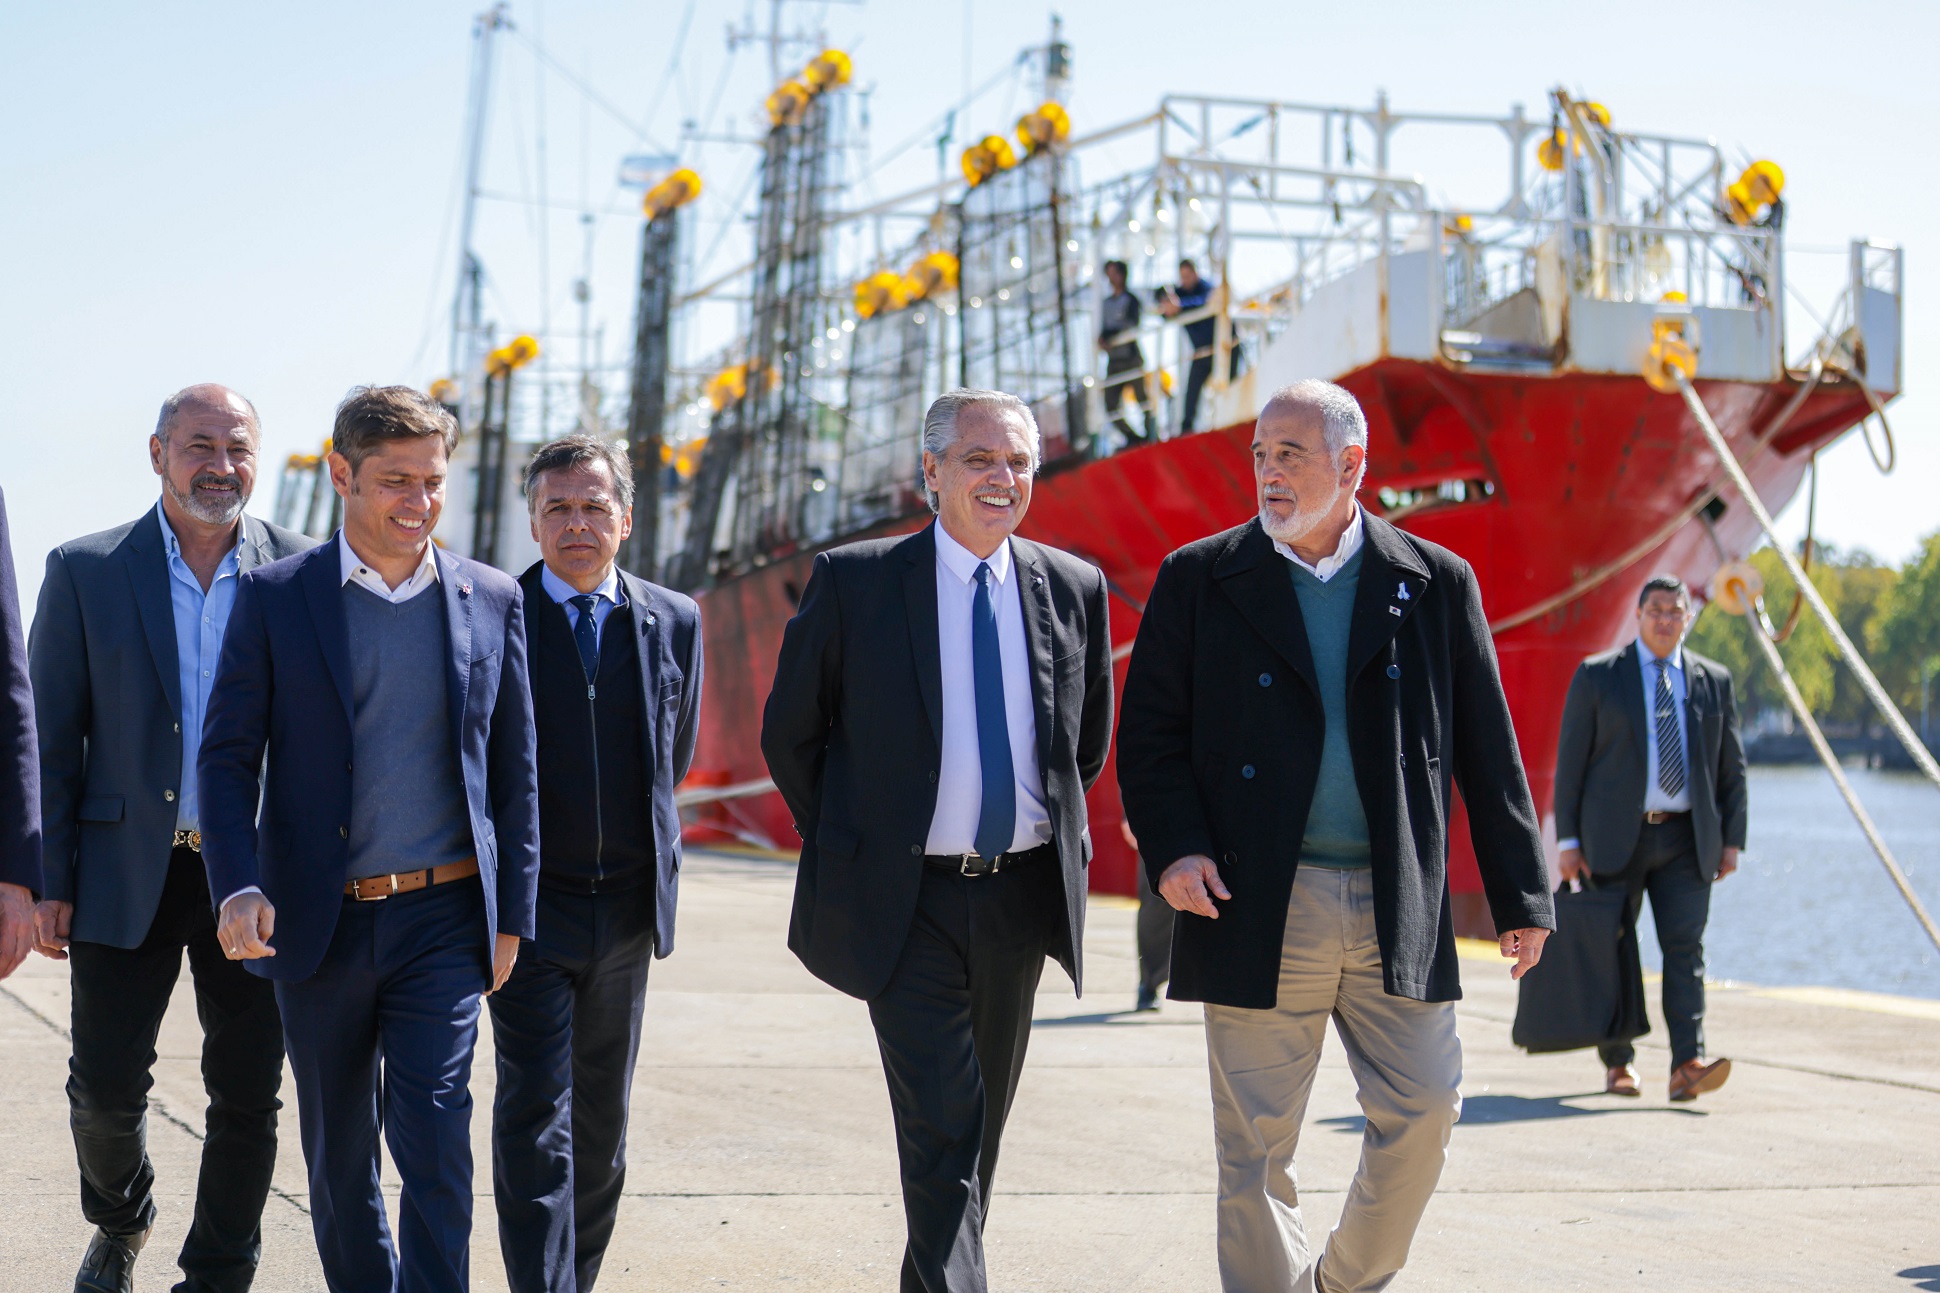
x=380 y=1038
x=1665 y=866
x=952 y=1027
x=567 y=1029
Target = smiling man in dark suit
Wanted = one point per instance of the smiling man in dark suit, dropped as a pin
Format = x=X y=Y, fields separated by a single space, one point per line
x=941 y=704
x=616 y=686
x=1650 y=797
x=371 y=704
x=1303 y=689
x=126 y=896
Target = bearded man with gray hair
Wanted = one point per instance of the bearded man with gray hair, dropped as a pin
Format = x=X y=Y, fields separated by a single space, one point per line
x=941 y=705
x=1302 y=690
x=125 y=893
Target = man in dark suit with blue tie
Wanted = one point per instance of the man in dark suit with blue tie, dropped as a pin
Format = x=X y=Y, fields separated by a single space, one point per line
x=616 y=686
x=372 y=699
x=20 y=874
x=1651 y=798
x=941 y=704
x=126 y=896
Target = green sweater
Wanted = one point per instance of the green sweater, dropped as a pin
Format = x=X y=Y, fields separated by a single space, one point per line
x=1336 y=824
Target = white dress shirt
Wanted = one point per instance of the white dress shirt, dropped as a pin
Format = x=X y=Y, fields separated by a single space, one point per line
x=1350 y=543
x=356 y=571
x=1655 y=800
x=959 y=782
x=608 y=593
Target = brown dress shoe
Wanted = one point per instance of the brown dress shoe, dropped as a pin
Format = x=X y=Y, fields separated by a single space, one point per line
x=1693 y=1078
x=1621 y=1080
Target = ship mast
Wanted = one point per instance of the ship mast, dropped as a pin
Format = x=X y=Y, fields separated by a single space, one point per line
x=467 y=324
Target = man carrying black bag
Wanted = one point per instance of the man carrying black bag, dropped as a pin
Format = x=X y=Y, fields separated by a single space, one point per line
x=1650 y=798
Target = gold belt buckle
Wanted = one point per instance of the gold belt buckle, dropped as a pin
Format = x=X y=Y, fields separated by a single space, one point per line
x=357 y=888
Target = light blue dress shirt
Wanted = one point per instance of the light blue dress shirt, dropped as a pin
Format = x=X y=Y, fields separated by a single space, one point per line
x=1655 y=800
x=608 y=592
x=200 y=619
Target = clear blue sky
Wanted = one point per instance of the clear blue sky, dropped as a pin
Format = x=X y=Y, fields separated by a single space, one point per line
x=260 y=194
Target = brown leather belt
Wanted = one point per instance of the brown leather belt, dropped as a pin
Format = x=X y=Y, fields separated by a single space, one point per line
x=1658 y=816
x=375 y=888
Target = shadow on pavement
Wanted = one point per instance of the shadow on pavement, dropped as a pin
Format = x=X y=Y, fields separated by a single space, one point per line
x=1518 y=1108
x=1929 y=1276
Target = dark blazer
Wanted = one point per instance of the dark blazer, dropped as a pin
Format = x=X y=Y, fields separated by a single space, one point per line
x=19 y=754
x=1603 y=750
x=108 y=692
x=1219 y=750
x=284 y=689
x=853 y=735
x=667 y=626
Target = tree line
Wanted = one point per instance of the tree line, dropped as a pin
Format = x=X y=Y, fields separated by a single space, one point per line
x=1892 y=614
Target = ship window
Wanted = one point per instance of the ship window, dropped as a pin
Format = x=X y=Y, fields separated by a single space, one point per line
x=1400 y=502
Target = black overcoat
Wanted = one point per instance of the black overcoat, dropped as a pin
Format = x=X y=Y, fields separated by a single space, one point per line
x=853 y=732
x=1219 y=750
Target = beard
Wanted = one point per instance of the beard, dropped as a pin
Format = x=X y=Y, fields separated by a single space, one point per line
x=1305 y=517
x=206 y=508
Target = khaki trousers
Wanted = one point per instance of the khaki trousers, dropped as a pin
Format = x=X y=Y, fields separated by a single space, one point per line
x=1407 y=1064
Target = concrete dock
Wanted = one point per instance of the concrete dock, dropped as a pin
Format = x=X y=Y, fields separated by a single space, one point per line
x=762 y=1155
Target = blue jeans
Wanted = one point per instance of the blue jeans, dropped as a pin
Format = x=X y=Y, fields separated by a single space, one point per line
x=381 y=1037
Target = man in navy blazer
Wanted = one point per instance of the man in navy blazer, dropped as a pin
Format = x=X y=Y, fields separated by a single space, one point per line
x=393 y=872
x=616 y=685
x=20 y=878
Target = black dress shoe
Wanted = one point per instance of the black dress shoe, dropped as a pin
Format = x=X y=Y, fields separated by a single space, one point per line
x=1148 y=998
x=109 y=1266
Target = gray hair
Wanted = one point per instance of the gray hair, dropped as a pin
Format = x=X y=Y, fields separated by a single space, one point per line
x=1342 y=422
x=203 y=394
x=568 y=453
x=940 y=424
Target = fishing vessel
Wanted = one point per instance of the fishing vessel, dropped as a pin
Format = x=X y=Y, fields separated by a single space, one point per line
x=1518 y=359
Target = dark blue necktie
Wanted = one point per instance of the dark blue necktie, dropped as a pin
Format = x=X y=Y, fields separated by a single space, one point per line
x=998 y=820
x=586 y=634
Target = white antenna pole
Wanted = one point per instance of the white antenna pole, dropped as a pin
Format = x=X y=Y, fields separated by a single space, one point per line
x=465 y=303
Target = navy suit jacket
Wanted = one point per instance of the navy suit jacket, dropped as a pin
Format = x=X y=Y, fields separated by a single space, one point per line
x=283 y=690
x=108 y=695
x=19 y=753
x=667 y=626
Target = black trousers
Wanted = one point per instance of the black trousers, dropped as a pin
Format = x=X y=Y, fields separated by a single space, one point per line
x=120 y=996
x=567 y=1028
x=1155 y=920
x=1125 y=384
x=952 y=1026
x=1197 y=374
x=1665 y=866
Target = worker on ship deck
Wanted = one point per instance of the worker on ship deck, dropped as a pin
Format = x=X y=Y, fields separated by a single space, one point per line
x=1191 y=295
x=1118 y=321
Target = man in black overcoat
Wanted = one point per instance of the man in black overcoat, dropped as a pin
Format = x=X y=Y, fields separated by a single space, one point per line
x=941 y=704
x=1302 y=692
x=1650 y=797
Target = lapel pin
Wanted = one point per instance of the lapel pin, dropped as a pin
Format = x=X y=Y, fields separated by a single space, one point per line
x=464 y=590
x=1402 y=592
x=1395 y=611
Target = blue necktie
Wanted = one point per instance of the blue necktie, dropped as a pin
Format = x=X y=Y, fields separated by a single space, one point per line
x=586 y=634
x=998 y=821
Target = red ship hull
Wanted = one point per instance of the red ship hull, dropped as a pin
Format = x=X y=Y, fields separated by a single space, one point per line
x=1583 y=472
